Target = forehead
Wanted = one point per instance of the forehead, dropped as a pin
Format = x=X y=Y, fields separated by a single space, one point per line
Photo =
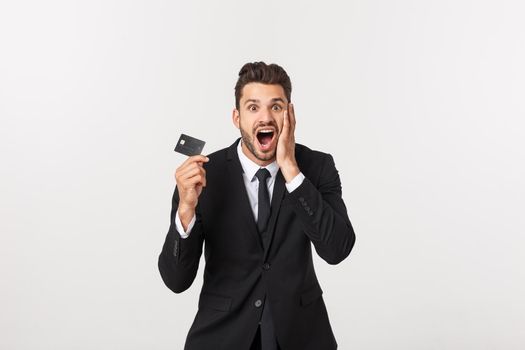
x=262 y=92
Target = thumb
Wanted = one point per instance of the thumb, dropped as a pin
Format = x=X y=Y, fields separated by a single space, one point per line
x=284 y=129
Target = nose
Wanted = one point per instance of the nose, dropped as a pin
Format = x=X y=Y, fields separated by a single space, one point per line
x=266 y=115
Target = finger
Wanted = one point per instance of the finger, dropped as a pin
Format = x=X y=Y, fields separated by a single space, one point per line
x=196 y=158
x=285 y=122
x=184 y=177
x=199 y=158
x=198 y=179
x=187 y=172
x=292 y=116
x=194 y=165
x=184 y=168
x=192 y=183
x=192 y=172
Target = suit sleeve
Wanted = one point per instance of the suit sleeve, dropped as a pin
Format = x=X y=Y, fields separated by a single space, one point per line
x=323 y=214
x=179 y=259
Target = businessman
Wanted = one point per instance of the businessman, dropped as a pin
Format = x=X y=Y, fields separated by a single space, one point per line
x=258 y=206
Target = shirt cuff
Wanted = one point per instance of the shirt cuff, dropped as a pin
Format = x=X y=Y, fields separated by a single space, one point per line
x=296 y=182
x=180 y=228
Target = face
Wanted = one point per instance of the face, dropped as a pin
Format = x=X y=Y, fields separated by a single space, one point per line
x=260 y=119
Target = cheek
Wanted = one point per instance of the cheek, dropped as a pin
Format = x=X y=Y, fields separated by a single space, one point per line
x=279 y=119
x=244 y=124
x=249 y=121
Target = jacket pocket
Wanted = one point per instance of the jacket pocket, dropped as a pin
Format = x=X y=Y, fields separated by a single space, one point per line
x=311 y=295
x=215 y=302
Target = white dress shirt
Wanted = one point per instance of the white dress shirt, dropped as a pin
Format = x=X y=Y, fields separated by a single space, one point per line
x=252 y=186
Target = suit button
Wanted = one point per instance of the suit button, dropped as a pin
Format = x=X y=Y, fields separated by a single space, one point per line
x=307 y=208
x=266 y=266
x=301 y=199
x=258 y=303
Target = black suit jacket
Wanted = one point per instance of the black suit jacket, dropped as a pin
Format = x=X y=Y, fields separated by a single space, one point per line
x=241 y=269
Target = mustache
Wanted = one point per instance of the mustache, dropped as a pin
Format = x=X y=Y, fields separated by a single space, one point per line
x=261 y=125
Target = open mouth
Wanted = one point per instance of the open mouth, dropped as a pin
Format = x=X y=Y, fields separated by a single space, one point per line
x=265 y=138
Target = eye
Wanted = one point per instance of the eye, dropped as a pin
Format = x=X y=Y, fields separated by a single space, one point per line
x=252 y=108
x=276 y=107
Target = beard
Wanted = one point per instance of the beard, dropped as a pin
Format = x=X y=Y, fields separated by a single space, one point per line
x=249 y=142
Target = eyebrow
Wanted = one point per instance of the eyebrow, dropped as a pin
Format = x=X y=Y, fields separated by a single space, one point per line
x=275 y=99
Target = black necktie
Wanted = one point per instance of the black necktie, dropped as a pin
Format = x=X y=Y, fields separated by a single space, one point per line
x=264 y=200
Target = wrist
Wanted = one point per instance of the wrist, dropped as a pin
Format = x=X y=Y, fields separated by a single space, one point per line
x=290 y=171
x=186 y=214
x=186 y=210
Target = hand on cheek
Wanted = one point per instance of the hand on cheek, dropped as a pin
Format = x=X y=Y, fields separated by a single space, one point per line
x=286 y=146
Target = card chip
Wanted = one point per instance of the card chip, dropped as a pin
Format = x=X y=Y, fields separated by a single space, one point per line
x=189 y=146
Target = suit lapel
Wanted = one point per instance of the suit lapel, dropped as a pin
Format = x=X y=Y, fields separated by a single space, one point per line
x=238 y=190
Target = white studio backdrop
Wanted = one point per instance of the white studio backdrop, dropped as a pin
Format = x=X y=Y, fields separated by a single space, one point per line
x=419 y=102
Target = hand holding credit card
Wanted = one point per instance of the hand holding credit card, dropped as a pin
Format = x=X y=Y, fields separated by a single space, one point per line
x=189 y=146
x=190 y=177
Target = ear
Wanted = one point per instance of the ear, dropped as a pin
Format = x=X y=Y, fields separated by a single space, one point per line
x=236 y=118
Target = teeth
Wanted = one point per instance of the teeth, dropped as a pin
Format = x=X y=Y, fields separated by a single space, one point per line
x=266 y=131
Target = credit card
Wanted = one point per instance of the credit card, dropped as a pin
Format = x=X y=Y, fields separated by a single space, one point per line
x=189 y=146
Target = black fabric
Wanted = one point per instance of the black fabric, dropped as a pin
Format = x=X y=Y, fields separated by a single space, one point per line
x=266 y=329
x=256 y=344
x=242 y=276
x=264 y=199
x=268 y=337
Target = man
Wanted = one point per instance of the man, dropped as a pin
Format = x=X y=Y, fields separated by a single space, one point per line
x=259 y=205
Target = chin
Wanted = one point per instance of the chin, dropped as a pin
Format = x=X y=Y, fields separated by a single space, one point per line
x=265 y=156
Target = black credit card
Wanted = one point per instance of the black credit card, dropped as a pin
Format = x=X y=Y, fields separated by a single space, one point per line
x=189 y=146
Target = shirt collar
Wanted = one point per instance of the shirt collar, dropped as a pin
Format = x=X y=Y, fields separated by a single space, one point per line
x=250 y=167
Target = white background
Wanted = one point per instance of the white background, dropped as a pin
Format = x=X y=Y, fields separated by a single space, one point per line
x=419 y=102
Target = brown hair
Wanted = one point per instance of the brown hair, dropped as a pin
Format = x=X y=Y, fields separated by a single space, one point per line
x=260 y=72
